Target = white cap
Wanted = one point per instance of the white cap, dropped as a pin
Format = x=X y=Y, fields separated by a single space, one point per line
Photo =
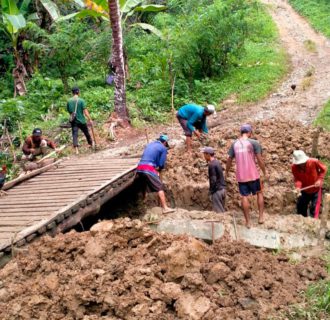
x=299 y=157
x=211 y=109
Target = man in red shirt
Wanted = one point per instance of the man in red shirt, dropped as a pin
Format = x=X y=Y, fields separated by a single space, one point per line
x=308 y=174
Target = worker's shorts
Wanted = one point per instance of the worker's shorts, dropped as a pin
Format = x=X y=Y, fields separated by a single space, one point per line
x=250 y=187
x=150 y=182
x=183 y=122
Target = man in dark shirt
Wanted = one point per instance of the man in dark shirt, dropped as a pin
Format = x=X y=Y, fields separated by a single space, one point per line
x=217 y=181
x=36 y=145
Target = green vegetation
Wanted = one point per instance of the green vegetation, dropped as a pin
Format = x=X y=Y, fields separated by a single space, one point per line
x=213 y=49
x=316 y=304
x=316 y=11
x=323 y=118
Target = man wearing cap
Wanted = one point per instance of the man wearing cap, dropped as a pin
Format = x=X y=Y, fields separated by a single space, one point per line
x=216 y=179
x=78 y=113
x=308 y=174
x=246 y=151
x=152 y=162
x=36 y=145
x=192 y=119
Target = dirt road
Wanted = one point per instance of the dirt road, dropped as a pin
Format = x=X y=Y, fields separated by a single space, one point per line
x=310 y=72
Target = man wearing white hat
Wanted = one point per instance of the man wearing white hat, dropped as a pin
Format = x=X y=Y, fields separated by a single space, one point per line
x=308 y=176
x=192 y=119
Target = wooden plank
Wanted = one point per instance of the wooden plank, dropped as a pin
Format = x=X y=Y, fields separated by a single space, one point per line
x=88 y=172
x=64 y=185
x=30 y=205
x=23 y=219
x=23 y=199
x=17 y=223
x=24 y=214
x=50 y=191
x=66 y=179
x=34 y=173
x=10 y=229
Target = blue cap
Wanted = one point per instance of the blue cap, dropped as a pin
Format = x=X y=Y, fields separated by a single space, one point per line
x=246 y=128
x=163 y=138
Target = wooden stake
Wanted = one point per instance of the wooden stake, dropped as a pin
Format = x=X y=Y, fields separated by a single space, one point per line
x=21 y=141
x=146 y=133
x=12 y=148
x=324 y=218
x=316 y=135
x=172 y=101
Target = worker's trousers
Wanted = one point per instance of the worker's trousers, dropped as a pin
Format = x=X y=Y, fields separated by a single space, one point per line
x=307 y=200
x=218 y=200
x=83 y=127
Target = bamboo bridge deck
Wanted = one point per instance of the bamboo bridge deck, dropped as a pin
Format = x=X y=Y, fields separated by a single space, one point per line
x=58 y=199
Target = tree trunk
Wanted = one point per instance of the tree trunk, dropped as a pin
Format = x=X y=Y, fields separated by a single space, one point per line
x=117 y=61
x=19 y=74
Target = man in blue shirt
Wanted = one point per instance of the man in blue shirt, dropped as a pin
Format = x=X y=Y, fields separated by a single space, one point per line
x=192 y=119
x=152 y=162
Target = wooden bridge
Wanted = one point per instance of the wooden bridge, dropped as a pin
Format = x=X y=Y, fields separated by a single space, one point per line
x=61 y=197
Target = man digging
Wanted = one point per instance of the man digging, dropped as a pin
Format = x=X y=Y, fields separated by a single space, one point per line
x=192 y=119
x=308 y=176
x=152 y=162
x=246 y=151
x=216 y=179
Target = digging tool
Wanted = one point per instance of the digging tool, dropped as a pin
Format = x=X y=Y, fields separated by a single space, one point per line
x=94 y=138
x=147 y=136
x=318 y=203
x=235 y=226
x=51 y=154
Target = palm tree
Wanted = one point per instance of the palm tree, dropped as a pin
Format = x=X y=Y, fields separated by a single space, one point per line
x=119 y=11
x=117 y=61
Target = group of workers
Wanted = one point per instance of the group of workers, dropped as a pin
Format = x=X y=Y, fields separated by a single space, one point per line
x=308 y=173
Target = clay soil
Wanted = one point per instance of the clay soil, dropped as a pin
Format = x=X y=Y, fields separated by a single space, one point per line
x=186 y=176
x=122 y=270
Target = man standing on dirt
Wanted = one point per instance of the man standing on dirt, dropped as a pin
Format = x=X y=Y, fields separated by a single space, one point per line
x=216 y=179
x=152 y=162
x=78 y=114
x=246 y=151
x=308 y=176
x=192 y=119
x=36 y=145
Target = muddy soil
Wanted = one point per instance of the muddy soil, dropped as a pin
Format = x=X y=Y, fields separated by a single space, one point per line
x=186 y=176
x=122 y=270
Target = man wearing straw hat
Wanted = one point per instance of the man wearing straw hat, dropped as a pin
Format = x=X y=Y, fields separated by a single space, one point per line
x=308 y=176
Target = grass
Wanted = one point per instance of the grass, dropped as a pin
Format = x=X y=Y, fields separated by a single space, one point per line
x=316 y=304
x=323 y=118
x=316 y=11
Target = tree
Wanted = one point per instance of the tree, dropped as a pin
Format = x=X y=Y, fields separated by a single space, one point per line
x=117 y=61
x=117 y=11
x=13 y=23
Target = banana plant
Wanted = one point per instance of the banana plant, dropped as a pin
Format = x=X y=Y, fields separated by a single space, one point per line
x=13 y=20
x=100 y=8
x=117 y=12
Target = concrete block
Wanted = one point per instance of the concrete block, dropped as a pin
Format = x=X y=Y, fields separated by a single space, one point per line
x=196 y=228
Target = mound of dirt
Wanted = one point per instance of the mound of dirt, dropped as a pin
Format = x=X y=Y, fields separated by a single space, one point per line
x=186 y=176
x=122 y=270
